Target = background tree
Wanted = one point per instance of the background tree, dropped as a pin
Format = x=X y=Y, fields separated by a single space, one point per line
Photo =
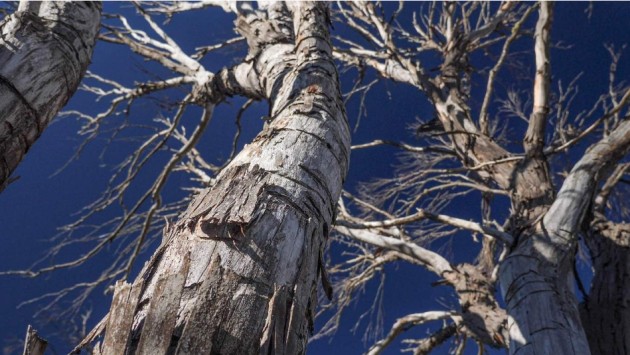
x=45 y=48
x=547 y=171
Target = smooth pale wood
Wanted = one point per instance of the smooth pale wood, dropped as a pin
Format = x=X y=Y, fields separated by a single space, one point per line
x=45 y=49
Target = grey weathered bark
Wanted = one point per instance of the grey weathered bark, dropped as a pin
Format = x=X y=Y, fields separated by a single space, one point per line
x=45 y=48
x=239 y=271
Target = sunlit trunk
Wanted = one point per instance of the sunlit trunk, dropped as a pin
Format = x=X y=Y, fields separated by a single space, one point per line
x=238 y=274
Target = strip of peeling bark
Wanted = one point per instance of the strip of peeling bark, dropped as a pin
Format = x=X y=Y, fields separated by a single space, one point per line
x=536 y=278
x=34 y=345
x=254 y=240
x=45 y=48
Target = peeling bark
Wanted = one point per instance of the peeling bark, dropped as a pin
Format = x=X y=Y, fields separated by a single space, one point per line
x=45 y=48
x=254 y=239
x=34 y=345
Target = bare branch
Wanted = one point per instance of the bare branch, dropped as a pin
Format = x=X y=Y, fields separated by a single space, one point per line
x=535 y=136
x=425 y=346
x=404 y=146
x=483 y=113
x=433 y=261
x=566 y=213
x=623 y=102
x=172 y=7
x=408 y=321
x=421 y=215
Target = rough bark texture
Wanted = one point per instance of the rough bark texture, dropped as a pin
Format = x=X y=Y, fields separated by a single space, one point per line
x=242 y=265
x=606 y=311
x=45 y=48
x=536 y=277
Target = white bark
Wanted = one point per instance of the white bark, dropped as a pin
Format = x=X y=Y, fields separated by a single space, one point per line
x=238 y=272
x=45 y=48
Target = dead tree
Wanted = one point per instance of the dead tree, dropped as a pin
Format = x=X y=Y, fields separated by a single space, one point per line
x=45 y=49
x=535 y=269
x=238 y=271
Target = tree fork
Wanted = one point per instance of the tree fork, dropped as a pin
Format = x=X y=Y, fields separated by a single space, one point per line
x=536 y=278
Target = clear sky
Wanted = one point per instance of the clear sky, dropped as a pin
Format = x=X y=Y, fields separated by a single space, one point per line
x=39 y=202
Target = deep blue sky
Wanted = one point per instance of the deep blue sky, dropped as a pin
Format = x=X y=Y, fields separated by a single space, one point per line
x=38 y=203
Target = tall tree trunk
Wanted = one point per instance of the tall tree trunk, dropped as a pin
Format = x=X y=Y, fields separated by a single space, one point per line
x=238 y=273
x=45 y=48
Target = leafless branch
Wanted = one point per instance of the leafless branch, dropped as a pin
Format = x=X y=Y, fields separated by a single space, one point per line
x=408 y=321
